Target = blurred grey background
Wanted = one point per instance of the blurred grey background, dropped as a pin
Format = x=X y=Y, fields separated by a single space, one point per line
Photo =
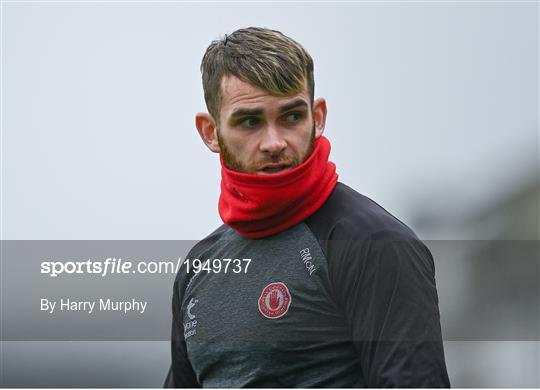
x=433 y=113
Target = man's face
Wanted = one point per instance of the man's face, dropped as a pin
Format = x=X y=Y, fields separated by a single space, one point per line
x=263 y=134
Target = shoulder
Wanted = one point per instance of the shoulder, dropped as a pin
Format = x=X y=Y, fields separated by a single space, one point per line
x=348 y=214
x=198 y=250
x=364 y=242
x=356 y=234
x=203 y=245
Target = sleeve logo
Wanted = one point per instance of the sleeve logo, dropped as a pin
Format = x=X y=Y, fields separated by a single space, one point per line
x=275 y=300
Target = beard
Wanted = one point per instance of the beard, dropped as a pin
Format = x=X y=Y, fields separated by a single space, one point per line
x=285 y=158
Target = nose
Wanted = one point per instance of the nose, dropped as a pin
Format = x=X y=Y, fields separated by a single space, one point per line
x=272 y=141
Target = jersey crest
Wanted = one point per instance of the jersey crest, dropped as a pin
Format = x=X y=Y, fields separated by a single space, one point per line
x=275 y=300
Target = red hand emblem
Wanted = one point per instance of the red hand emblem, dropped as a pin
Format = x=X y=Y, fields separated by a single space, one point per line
x=274 y=300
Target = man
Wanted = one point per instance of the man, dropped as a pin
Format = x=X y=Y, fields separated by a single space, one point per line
x=327 y=288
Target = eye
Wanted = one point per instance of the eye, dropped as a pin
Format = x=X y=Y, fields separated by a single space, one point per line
x=293 y=116
x=249 y=122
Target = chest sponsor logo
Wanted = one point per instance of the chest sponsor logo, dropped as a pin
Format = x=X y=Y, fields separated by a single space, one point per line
x=189 y=307
x=190 y=327
x=275 y=300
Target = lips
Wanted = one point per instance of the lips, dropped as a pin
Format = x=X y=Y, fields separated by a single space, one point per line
x=271 y=169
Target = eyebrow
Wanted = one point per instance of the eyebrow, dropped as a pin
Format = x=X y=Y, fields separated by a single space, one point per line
x=294 y=104
x=259 y=111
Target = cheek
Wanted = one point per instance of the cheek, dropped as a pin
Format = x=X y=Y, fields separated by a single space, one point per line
x=302 y=139
x=243 y=146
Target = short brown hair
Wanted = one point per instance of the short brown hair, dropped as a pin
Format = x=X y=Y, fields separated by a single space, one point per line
x=265 y=58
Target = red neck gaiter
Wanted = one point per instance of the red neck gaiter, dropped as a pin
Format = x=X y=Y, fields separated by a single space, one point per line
x=258 y=206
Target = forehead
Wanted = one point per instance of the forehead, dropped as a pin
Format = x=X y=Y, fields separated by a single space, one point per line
x=237 y=93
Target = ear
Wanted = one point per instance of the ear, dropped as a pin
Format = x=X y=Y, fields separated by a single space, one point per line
x=207 y=130
x=319 y=116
